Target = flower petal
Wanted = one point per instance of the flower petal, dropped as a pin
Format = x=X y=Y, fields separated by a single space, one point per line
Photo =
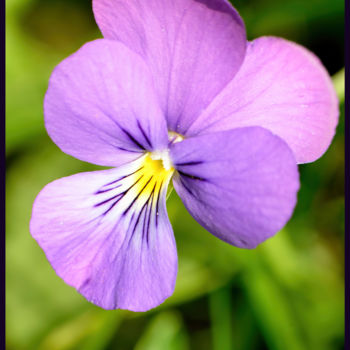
x=240 y=184
x=283 y=87
x=107 y=234
x=101 y=107
x=193 y=48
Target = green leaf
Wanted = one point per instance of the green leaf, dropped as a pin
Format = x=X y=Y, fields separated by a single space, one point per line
x=339 y=84
x=221 y=319
x=165 y=331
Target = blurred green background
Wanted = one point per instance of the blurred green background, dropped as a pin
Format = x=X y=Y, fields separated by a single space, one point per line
x=287 y=294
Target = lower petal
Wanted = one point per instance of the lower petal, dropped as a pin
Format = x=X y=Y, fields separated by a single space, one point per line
x=241 y=185
x=107 y=234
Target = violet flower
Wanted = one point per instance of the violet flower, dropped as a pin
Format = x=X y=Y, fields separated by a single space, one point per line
x=174 y=91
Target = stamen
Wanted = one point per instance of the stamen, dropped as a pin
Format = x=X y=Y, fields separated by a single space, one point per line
x=174 y=137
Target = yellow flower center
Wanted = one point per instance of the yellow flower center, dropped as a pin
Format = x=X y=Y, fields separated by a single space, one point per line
x=154 y=173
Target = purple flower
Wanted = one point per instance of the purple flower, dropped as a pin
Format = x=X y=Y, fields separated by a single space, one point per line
x=174 y=91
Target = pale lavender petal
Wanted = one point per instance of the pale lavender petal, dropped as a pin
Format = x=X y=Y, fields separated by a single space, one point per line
x=283 y=87
x=107 y=234
x=193 y=48
x=241 y=185
x=101 y=107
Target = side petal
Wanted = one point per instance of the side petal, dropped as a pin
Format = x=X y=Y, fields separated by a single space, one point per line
x=193 y=48
x=241 y=185
x=282 y=87
x=100 y=105
x=107 y=234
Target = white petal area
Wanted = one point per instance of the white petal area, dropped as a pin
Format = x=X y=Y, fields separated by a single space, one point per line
x=107 y=234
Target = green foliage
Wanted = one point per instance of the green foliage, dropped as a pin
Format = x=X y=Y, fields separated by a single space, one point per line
x=285 y=295
x=164 y=331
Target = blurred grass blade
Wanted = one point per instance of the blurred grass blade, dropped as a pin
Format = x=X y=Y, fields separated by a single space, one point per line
x=221 y=319
x=273 y=311
x=339 y=84
x=105 y=331
x=91 y=328
x=165 y=331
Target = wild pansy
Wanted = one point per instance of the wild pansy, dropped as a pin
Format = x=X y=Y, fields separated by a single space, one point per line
x=174 y=92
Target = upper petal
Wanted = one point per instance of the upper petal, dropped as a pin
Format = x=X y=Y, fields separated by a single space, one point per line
x=284 y=88
x=193 y=48
x=101 y=107
x=107 y=234
x=240 y=184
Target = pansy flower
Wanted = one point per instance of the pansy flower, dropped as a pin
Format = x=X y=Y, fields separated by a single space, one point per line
x=174 y=92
